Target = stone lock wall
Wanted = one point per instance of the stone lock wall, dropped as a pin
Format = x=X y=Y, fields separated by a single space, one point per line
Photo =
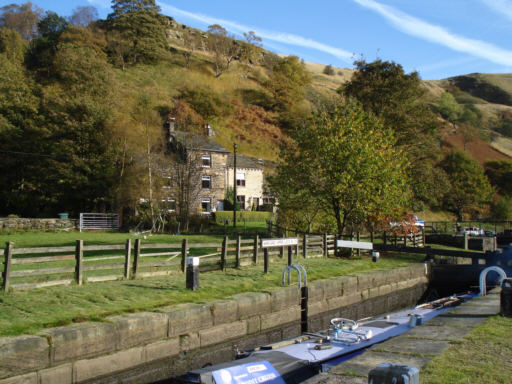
x=150 y=346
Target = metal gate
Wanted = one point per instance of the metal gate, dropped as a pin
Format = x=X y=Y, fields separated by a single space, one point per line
x=99 y=221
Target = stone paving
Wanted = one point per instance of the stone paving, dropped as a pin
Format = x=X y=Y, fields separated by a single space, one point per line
x=418 y=346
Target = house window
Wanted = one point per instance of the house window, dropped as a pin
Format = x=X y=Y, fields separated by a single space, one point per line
x=169 y=204
x=206 y=161
x=240 y=179
x=206 y=205
x=241 y=201
x=206 y=182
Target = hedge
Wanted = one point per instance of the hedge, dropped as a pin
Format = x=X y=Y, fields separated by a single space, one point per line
x=241 y=216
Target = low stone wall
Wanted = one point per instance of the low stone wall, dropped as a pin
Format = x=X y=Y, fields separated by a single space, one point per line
x=150 y=346
x=16 y=224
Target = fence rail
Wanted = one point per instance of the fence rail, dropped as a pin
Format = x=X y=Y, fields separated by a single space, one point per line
x=29 y=268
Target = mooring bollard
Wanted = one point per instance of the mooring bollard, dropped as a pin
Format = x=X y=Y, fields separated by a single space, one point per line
x=387 y=373
x=192 y=273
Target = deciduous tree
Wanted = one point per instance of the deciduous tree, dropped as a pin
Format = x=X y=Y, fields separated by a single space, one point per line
x=223 y=47
x=346 y=162
x=470 y=190
x=140 y=24
x=21 y=18
x=397 y=98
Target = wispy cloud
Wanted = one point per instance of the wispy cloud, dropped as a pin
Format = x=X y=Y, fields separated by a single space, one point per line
x=436 y=34
x=279 y=37
x=503 y=7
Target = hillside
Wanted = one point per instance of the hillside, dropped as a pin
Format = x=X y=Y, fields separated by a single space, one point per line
x=491 y=94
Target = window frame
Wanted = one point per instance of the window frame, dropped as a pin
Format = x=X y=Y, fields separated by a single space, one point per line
x=205 y=178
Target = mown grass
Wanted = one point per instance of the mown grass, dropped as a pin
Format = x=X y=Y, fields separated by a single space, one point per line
x=483 y=356
x=26 y=312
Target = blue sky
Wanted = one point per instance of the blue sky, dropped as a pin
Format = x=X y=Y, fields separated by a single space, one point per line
x=437 y=38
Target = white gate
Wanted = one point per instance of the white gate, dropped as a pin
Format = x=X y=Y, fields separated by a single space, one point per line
x=99 y=221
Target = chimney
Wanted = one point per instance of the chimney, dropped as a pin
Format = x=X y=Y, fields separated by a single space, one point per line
x=209 y=130
x=171 y=121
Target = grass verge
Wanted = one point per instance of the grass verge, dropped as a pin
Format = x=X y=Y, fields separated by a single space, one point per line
x=483 y=356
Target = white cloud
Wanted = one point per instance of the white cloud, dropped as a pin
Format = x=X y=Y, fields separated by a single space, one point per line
x=436 y=34
x=501 y=6
x=280 y=37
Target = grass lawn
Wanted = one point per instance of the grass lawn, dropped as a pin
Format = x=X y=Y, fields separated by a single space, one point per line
x=25 y=312
x=483 y=356
x=44 y=239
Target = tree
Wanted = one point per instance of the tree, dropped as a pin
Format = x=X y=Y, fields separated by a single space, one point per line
x=502 y=209
x=84 y=15
x=140 y=25
x=190 y=42
x=470 y=189
x=449 y=108
x=397 y=98
x=329 y=70
x=250 y=50
x=499 y=173
x=223 y=46
x=345 y=160
x=288 y=81
x=43 y=49
x=21 y=18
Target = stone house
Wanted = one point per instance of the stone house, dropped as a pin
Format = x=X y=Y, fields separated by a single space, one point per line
x=214 y=171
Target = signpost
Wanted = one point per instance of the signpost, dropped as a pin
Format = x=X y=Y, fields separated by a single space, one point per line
x=284 y=242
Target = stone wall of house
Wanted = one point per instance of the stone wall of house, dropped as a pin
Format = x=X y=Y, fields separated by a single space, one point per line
x=217 y=173
x=22 y=224
x=151 y=346
x=253 y=185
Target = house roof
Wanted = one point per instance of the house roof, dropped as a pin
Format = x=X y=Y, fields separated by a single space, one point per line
x=243 y=162
x=194 y=141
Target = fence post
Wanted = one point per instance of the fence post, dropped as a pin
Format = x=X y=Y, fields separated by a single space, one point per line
x=237 y=262
x=7 y=265
x=281 y=252
x=371 y=236
x=405 y=239
x=358 y=237
x=305 y=246
x=265 y=260
x=127 y=254
x=255 y=250
x=424 y=238
x=414 y=239
x=336 y=245
x=79 y=257
x=224 y=253
x=324 y=241
x=290 y=258
x=466 y=240
x=184 y=251
x=384 y=238
x=136 y=255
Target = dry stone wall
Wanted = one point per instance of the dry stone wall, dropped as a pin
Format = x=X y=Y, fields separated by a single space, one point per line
x=22 y=224
x=150 y=346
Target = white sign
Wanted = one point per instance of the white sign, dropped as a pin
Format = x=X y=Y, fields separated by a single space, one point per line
x=354 y=244
x=266 y=243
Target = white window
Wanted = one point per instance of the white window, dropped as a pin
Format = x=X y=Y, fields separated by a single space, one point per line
x=206 y=204
x=206 y=161
x=206 y=182
x=240 y=179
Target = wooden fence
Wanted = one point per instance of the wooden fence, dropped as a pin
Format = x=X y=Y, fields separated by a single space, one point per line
x=412 y=239
x=28 y=268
